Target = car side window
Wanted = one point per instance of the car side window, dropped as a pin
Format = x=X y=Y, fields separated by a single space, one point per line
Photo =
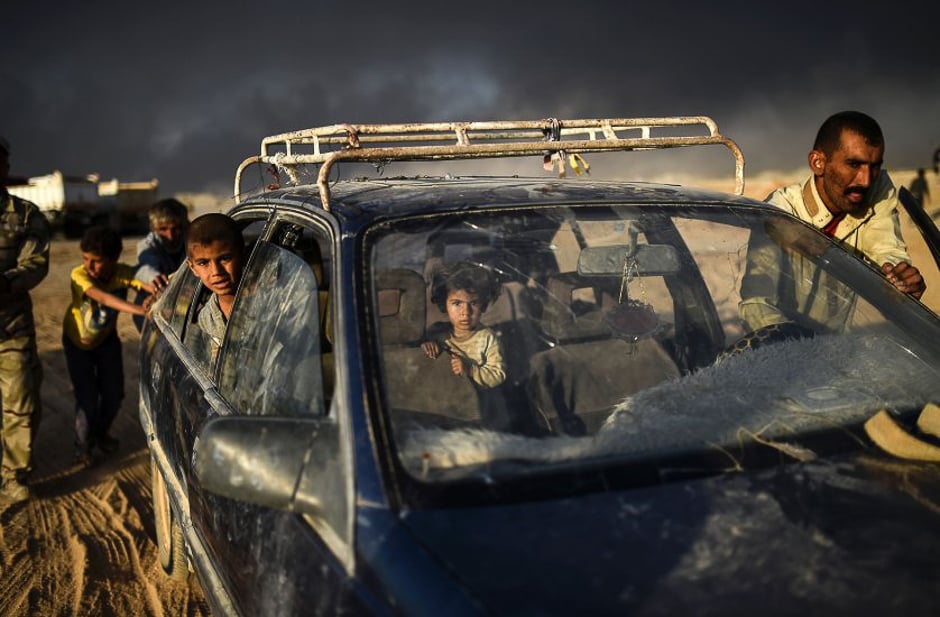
x=172 y=305
x=271 y=360
x=196 y=297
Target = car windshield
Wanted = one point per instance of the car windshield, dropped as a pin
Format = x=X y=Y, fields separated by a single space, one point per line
x=524 y=341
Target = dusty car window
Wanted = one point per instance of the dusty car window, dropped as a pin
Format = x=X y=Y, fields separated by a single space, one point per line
x=313 y=246
x=173 y=304
x=179 y=306
x=622 y=330
x=722 y=249
x=271 y=363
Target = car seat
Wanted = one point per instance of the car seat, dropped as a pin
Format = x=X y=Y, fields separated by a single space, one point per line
x=419 y=390
x=601 y=352
x=506 y=407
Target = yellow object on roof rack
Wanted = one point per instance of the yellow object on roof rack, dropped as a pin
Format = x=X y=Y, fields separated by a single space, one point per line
x=325 y=146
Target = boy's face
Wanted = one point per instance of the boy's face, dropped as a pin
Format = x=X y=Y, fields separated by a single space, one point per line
x=218 y=265
x=170 y=233
x=463 y=310
x=98 y=266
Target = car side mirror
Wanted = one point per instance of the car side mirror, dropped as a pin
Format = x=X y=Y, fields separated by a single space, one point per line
x=280 y=463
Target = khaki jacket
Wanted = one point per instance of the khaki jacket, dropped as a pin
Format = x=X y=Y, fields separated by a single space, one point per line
x=781 y=287
x=876 y=234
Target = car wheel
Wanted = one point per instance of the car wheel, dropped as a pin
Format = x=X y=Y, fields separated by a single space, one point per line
x=169 y=533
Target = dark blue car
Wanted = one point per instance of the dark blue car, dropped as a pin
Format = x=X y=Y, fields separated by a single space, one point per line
x=643 y=452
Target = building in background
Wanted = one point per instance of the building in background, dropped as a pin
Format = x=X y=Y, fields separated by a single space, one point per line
x=131 y=202
x=74 y=203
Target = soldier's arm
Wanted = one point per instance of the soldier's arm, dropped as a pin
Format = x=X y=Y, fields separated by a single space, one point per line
x=32 y=264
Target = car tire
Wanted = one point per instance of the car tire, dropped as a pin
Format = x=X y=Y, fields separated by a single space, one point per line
x=170 y=549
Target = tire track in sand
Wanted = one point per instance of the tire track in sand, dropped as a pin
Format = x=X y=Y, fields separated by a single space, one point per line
x=85 y=545
x=90 y=522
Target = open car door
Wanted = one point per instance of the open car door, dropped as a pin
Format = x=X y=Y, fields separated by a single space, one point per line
x=923 y=222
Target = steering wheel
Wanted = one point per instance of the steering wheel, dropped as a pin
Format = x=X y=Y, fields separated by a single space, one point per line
x=774 y=333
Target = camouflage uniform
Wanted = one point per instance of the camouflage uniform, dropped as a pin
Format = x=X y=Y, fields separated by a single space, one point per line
x=24 y=262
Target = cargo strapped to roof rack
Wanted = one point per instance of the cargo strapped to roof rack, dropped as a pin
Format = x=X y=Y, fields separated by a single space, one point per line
x=381 y=143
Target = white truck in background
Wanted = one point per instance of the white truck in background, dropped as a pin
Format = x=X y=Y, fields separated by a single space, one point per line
x=74 y=203
x=131 y=201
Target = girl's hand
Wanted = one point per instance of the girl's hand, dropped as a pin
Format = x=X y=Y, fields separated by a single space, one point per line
x=431 y=349
x=457 y=365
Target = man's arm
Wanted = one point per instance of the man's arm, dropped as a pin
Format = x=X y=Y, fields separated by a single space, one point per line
x=32 y=264
x=884 y=244
x=760 y=285
x=148 y=265
x=882 y=241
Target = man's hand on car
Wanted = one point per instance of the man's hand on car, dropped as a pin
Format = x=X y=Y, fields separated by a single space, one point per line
x=905 y=277
x=159 y=283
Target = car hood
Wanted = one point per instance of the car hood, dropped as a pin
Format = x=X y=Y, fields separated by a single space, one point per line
x=857 y=536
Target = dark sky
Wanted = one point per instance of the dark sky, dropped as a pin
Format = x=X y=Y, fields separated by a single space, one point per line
x=184 y=91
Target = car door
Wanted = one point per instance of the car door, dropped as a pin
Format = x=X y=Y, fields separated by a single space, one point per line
x=168 y=367
x=276 y=360
x=923 y=222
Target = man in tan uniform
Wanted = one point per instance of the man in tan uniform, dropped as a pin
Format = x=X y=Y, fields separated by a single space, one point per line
x=850 y=198
x=24 y=262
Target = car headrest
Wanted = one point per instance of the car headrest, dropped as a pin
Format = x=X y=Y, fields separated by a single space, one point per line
x=401 y=306
x=565 y=316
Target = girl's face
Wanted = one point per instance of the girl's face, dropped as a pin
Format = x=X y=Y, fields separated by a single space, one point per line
x=463 y=310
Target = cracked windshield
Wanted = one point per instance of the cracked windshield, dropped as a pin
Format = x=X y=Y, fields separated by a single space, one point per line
x=605 y=334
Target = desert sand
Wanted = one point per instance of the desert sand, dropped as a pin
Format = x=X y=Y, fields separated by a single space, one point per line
x=85 y=545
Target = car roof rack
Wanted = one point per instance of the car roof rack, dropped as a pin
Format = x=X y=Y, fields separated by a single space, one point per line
x=381 y=143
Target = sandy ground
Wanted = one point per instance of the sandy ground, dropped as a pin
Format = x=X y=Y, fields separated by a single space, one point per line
x=85 y=545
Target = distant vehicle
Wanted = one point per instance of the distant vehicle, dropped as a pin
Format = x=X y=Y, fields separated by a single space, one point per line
x=70 y=203
x=74 y=203
x=132 y=201
x=632 y=463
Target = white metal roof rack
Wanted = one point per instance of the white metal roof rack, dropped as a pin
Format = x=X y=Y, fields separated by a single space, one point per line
x=328 y=145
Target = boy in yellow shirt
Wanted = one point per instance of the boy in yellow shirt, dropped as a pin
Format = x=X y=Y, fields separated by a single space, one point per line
x=90 y=341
